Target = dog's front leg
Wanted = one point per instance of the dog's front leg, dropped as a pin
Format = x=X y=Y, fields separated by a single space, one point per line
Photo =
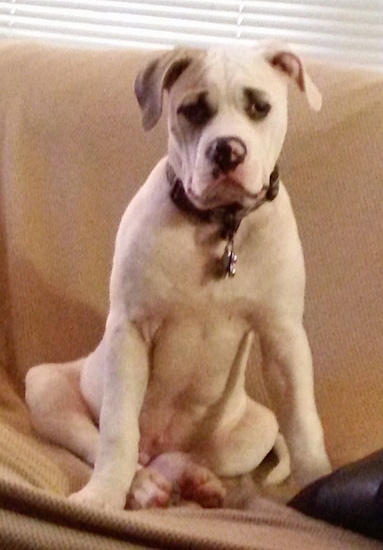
x=289 y=376
x=125 y=371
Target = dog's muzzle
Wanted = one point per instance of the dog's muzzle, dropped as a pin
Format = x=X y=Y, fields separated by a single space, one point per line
x=226 y=153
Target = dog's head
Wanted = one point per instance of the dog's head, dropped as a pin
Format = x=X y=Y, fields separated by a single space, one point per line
x=227 y=116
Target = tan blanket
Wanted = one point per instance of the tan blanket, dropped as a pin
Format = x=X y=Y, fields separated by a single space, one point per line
x=72 y=155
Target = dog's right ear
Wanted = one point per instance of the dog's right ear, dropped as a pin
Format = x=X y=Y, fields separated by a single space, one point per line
x=158 y=76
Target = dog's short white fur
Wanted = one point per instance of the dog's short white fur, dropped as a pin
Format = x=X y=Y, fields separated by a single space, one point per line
x=162 y=399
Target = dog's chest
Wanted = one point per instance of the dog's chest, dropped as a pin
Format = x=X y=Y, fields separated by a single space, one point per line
x=167 y=264
x=182 y=268
x=165 y=259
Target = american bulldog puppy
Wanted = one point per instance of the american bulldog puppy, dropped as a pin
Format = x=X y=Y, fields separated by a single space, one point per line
x=207 y=255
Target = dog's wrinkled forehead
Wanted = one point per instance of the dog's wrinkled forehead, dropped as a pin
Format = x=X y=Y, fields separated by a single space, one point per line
x=223 y=79
x=229 y=71
x=225 y=72
x=220 y=74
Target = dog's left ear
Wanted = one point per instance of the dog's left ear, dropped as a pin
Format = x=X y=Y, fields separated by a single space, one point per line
x=284 y=60
x=157 y=76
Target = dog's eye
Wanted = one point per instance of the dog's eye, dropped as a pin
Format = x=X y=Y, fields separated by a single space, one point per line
x=197 y=113
x=256 y=106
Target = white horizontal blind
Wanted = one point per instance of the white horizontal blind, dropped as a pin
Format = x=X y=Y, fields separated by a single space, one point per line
x=344 y=30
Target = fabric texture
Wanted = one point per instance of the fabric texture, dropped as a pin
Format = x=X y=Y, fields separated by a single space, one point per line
x=37 y=519
x=72 y=155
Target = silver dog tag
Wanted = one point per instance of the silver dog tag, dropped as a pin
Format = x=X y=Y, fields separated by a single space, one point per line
x=229 y=260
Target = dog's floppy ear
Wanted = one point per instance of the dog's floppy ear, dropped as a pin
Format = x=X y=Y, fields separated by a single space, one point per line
x=283 y=59
x=158 y=76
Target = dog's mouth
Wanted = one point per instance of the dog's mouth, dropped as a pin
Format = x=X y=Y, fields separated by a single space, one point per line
x=226 y=191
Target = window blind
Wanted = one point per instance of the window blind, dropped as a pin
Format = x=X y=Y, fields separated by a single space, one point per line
x=344 y=30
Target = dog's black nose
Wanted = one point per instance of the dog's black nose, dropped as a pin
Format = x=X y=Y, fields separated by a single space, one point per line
x=227 y=153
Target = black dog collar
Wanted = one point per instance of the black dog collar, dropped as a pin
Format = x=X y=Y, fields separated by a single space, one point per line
x=228 y=217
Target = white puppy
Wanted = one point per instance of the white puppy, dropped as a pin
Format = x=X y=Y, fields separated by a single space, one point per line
x=165 y=386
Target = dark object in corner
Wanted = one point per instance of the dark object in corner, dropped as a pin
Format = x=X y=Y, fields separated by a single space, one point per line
x=351 y=497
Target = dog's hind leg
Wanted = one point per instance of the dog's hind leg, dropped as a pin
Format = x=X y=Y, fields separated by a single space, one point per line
x=58 y=410
x=240 y=448
x=237 y=444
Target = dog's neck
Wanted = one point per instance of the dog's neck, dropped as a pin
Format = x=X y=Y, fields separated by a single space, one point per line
x=228 y=217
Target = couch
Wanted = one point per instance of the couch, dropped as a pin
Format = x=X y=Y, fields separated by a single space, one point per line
x=72 y=155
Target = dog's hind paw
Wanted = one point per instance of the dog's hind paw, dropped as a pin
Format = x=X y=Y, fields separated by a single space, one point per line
x=149 y=489
x=201 y=485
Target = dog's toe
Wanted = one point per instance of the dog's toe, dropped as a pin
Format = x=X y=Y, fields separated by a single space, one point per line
x=150 y=489
x=201 y=485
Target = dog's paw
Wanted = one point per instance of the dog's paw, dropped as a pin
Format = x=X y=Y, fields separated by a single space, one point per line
x=106 y=499
x=201 y=485
x=149 y=489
